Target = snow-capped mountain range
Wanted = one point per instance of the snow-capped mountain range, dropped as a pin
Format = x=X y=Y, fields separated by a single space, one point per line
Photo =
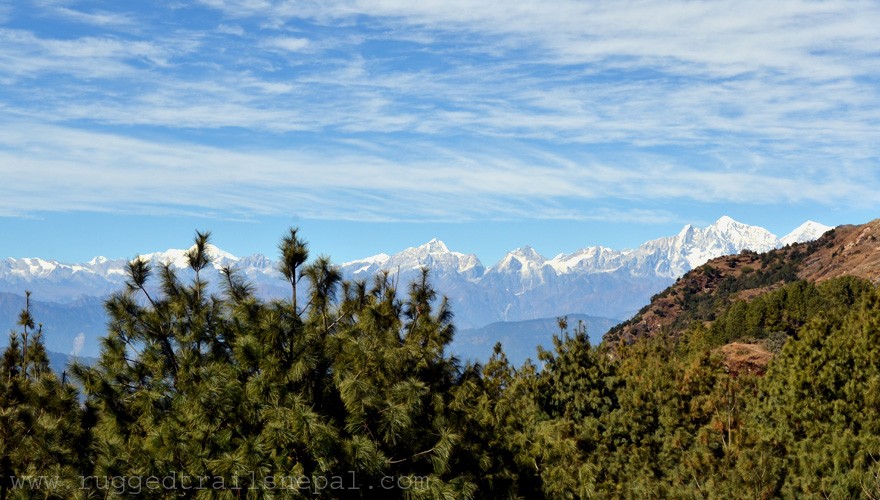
x=523 y=285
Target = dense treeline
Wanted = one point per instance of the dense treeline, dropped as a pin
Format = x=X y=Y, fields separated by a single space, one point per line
x=347 y=391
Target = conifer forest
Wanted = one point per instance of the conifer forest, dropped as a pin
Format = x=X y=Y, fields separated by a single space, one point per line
x=347 y=390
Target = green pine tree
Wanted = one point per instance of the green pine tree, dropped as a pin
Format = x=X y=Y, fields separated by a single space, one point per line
x=43 y=429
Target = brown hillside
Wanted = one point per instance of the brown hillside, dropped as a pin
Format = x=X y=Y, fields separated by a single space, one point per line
x=666 y=307
x=845 y=250
x=740 y=358
x=853 y=250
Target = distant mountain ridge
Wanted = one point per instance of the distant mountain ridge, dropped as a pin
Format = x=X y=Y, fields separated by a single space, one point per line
x=520 y=339
x=522 y=285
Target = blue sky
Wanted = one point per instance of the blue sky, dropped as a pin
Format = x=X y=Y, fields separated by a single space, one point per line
x=378 y=124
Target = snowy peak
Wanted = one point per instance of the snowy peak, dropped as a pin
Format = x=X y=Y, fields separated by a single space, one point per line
x=369 y=265
x=433 y=254
x=726 y=221
x=743 y=235
x=529 y=254
x=522 y=260
x=257 y=264
x=434 y=246
x=177 y=258
x=97 y=261
x=40 y=266
x=220 y=255
x=675 y=255
x=378 y=259
x=257 y=260
x=522 y=285
x=694 y=247
x=523 y=268
x=808 y=231
x=590 y=259
x=687 y=231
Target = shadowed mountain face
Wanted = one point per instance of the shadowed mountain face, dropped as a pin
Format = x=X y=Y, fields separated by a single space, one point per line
x=522 y=286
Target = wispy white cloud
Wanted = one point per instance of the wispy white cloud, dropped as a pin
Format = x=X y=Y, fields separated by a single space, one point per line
x=95 y=18
x=723 y=38
x=24 y=54
x=56 y=169
x=505 y=99
x=231 y=29
x=288 y=43
x=447 y=109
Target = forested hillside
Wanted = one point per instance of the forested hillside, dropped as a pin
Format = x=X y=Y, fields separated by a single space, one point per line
x=347 y=391
x=705 y=292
